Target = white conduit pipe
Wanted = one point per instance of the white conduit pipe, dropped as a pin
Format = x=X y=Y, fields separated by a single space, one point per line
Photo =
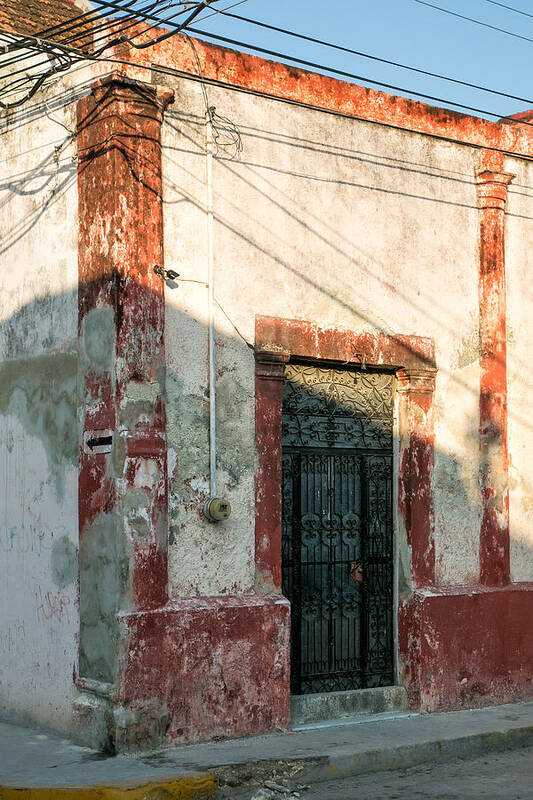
x=211 y=308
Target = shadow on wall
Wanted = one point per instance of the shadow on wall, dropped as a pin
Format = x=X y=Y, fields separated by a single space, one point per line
x=40 y=404
x=41 y=374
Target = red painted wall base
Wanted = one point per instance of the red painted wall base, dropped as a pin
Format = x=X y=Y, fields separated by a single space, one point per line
x=219 y=664
x=205 y=668
x=467 y=647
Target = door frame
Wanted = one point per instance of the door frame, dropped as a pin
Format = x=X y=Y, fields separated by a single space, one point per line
x=412 y=358
x=361 y=456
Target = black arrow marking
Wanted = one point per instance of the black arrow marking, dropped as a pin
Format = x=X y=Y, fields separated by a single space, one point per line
x=99 y=441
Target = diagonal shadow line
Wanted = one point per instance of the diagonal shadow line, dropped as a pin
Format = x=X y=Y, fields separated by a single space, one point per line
x=313 y=231
x=189 y=138
x=29 y=222
x=269 y=254
x=401 y=165
x=338 y=151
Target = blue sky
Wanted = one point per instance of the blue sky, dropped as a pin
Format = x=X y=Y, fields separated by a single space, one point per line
x=407 y=32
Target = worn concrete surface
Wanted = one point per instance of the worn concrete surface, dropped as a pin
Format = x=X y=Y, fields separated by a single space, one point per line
x=37 y=762
x=29 y=759
x=312 y=708
x=497 y=776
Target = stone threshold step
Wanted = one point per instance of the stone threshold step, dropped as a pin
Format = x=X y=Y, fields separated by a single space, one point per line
x=330 y=706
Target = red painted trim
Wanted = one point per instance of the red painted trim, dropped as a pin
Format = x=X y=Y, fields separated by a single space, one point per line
x=269 y=373
x=120 y=239
x=494 y=472
x=416 y=389
x=277 y=340
x=272 y=79
x=219 y=664
x=462 y=648
x=303 y=339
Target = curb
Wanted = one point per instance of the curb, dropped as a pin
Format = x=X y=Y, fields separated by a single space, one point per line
x=404 y=756
x=315 y=769
x=188 y=787
x=311 y=768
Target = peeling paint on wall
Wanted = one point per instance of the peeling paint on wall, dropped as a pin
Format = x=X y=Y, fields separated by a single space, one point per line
x=42 y=393
x=104 y=568
x=64 y=562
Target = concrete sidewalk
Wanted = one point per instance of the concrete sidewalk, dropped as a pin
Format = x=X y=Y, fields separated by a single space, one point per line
x=48 y=767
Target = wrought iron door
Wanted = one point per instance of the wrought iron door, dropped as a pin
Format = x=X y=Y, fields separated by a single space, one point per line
x=337 y=545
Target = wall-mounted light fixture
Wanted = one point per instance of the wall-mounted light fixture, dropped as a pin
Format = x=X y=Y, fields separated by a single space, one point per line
x=166 y=274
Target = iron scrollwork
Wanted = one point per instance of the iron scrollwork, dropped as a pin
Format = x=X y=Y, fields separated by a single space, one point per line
x=337 y=513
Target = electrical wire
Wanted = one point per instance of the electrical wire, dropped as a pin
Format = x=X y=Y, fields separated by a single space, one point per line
x=89 y=56
x=192 y=16
x=374 y=58
x=184 y=26
x=475 y=21
x=352 y=75
x=65 y=57
x=143 y=13
x=77 y=22
x=163 y=20
x=109 y=3
x=107 y=25
x=509 y=8
x=59 y=28
x=199 y=78
x=126 y=22
x=159 y=21
x=73 y=43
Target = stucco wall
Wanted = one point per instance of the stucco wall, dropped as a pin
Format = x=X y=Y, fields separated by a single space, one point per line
x=519 y=266
x=332 y=220
x=38 y=410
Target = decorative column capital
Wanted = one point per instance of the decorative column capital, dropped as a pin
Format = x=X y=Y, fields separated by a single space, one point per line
x=117 y=84
x=419 y=381
x=270 y=364
x=492 y=188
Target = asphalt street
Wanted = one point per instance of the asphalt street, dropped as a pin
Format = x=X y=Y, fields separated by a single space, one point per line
x=500 y=776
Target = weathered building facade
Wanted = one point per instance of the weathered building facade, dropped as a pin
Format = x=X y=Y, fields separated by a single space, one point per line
x=368 y=258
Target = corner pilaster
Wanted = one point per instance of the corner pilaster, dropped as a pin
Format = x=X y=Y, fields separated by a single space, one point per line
x=492 y=189
x=122 y=453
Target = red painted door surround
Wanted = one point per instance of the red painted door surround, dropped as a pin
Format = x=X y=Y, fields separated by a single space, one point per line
x=413 y=358
x=457 y=646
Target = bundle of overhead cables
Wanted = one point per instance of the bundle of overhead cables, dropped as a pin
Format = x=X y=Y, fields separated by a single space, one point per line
x=31 y=58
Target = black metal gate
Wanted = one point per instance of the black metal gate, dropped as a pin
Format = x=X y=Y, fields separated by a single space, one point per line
x=337 y=527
